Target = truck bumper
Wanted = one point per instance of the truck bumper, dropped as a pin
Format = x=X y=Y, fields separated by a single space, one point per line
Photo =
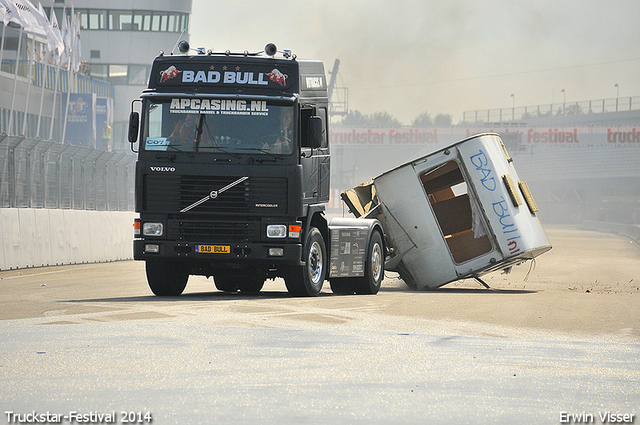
x=285 y=254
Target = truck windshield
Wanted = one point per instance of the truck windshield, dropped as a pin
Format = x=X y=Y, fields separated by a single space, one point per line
x=218 y=125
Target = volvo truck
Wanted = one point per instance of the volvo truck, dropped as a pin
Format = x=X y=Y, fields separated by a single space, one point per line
x=232 y=178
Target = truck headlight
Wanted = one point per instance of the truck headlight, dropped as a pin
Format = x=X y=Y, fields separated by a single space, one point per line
x=152 y=229
x=276 y=231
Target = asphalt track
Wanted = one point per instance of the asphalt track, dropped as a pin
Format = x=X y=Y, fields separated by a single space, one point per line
x=546 y=342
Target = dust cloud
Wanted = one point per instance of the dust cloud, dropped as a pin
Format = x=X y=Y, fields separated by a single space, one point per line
x=407 y=57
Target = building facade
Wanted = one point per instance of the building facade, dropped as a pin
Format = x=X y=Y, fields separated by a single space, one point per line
x=120 y=39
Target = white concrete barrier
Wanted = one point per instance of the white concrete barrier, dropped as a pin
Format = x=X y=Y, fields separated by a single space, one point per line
x=631 y=231
x=40 y=237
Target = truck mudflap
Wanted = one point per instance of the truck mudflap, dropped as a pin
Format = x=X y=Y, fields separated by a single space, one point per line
x=459 y=212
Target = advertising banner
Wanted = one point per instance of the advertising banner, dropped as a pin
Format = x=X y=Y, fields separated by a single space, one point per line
x=81 y=119
x=521 y=137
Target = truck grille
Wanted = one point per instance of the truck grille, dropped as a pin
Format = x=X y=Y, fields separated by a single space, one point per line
x=263 y=196
x=214 y=231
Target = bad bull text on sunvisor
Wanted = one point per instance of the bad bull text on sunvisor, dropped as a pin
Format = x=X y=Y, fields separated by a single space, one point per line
x=226 y=75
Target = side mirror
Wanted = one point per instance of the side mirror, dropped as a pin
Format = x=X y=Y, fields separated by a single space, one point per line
x=316 y=130
x=134 y=126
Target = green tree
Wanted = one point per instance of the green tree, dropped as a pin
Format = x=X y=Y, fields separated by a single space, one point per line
x=422 y=120
x=384 y=120
x=442 y=120
x=354 y=119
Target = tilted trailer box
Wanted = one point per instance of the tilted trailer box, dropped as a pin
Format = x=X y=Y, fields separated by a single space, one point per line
x=457 y=213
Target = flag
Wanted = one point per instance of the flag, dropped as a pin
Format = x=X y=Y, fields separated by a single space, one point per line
x=11 y=13
x=66 y=52
x=54 y=39
x=30 y=17
x=77 y=47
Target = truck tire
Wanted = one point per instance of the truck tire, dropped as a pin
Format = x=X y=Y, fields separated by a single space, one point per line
x=166 y=278
x=251 y=283
x=374 y=267
x=307 y=280
x=342 y=286
x=226 y=283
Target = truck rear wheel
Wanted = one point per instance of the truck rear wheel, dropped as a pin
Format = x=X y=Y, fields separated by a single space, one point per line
x=307 y=280
x=166 y=278
x=251 y=283
x=342 y=286
x=374 y=267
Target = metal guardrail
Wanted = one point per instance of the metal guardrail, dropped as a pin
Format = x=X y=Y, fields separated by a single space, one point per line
x=600 y=106
x=38 y=173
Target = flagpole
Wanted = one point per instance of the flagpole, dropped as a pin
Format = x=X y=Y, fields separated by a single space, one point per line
x=56 y=63
x=15 y=82
x=43 y=82
x=66 y=109
x=26 y=106
x=4 y=30
x=71 y=75
x=53 y=107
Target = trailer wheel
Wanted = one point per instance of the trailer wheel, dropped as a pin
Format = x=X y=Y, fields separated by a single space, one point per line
x=374 y=267
x=342 y=286
x=166 y=278
x=307 y=280
x=226 y=283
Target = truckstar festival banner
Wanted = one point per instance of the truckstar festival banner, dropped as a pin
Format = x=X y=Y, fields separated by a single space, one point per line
x=520 y=137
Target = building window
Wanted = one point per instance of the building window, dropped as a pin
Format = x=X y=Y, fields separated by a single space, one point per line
x=138 y=74
x=95 y=54
x=127 y=20
x=100 y=72
x=97 y=19
x=118 y=74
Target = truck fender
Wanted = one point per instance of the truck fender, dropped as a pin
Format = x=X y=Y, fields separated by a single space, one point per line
x=315 y=218
x=371 y=224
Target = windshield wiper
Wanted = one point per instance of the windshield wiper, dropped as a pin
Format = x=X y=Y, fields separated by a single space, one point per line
x=265 y=151
x=203 y=123
x=169 y=157
x=223 y=150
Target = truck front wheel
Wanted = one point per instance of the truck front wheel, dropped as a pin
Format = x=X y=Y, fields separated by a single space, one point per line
x=166 y=278
x=307 y=280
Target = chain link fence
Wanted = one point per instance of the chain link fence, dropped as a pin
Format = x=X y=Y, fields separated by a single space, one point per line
x=38 y=173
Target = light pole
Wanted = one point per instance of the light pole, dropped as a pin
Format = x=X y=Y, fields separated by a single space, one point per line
x=617 y=95
x=513 y=109
x=564 y=101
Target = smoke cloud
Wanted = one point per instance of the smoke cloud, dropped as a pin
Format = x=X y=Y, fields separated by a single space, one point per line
x=410 y=56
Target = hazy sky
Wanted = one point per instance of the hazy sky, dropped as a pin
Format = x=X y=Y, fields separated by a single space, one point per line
x=410 y=56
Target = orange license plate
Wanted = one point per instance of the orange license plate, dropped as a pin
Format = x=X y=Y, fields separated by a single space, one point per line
x=213 y=249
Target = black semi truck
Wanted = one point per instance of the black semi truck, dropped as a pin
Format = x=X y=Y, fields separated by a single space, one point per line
x=232 y=178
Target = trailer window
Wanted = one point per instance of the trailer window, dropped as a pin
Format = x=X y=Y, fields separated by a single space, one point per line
x=458 y=218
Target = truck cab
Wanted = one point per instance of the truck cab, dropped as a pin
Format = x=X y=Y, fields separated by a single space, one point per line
x=233 y=169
